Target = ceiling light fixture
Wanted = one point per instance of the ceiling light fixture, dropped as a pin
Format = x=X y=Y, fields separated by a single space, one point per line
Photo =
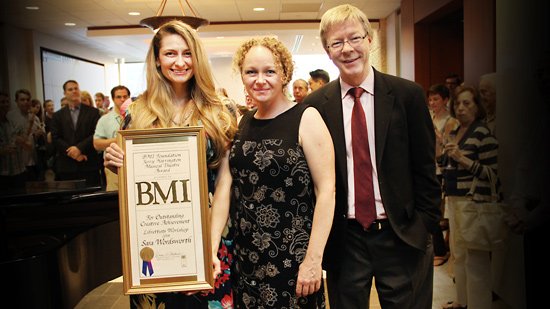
x=134 y=13
x=258 y=9
x=70 y=24
x=158 y=20
x=32 y=8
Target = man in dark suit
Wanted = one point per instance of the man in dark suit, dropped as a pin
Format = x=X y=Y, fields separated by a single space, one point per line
x=73 y=129
x=387 y=194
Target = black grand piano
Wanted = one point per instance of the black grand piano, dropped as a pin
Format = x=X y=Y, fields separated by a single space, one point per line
x=58 y=241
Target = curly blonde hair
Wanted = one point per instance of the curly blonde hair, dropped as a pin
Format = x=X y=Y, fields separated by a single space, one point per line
x=155 y=108
x=281 y=55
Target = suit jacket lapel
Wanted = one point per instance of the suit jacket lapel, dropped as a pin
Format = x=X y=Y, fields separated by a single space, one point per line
x=383 y=107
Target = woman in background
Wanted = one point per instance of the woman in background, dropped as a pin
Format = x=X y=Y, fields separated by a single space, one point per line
x=40 y=140
x=87 y=98
x=472 y=154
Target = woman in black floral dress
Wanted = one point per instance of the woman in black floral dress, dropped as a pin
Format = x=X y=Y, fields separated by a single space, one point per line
x=278 y=186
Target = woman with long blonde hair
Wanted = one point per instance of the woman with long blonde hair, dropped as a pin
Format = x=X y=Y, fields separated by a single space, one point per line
x=181 y=92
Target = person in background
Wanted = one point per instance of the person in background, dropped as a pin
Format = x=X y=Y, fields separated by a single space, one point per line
x=73 y=129
x=438 y=98
x=473 y=155
x=87 y=99
x=64 y=102
x=48 y=115
x=40 y=141
x=249 y=101
x=107 y=128
x=277 y=182
x=50 y=151
x=488 y=96
x=387 y=194
x=12 y=167
x=99 y=99
x=181 y=92
x=299 y=90
x=29 y=127
x=452 y=81
x=318 y=78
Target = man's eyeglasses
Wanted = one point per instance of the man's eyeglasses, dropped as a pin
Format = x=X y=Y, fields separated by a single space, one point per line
x=353 y=42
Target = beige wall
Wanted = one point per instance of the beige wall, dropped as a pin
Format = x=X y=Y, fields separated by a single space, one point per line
x=22 y=58
x=19 y=69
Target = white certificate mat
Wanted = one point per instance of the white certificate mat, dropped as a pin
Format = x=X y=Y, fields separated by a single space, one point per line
x=164 y=211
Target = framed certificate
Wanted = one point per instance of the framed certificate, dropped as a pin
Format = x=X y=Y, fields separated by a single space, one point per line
x=164 y=213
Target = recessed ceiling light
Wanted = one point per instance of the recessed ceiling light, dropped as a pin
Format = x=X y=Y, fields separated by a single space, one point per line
x=70 y=24
x=32 y=8
x=134 y=13
x=259 y=9
x=220 y=37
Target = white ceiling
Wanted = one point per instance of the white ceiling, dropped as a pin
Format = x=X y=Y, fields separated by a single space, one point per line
x=233 y=21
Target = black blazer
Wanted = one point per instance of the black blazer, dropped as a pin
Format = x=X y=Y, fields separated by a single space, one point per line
x=404 y=139
x=64 y=135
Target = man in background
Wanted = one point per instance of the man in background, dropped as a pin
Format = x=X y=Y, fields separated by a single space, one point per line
x=107 y=128
x=299 y=90
x=64 y=102
x=452 y=81
x=28 y=127
x=318 y=78
x=73 y=128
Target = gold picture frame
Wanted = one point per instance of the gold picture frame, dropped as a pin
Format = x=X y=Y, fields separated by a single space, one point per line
x=164 y=211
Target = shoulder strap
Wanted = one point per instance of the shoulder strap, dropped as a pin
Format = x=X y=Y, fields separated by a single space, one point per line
x=492 y=179
x=126 y=121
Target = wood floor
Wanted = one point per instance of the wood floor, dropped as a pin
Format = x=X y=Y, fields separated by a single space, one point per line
x=109 y=295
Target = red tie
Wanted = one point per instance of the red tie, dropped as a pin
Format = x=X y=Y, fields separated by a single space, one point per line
x=365 y=210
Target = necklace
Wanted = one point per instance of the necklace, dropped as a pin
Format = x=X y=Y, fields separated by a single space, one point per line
x=186 y=116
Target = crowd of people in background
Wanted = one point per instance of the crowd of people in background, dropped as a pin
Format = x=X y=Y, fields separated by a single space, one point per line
x=28 y=150
x=41 y=144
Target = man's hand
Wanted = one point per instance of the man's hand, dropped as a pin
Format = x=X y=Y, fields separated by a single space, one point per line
x=73 y=152
x=81 y=158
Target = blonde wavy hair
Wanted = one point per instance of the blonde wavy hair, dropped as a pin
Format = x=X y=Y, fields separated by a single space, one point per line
x=154 y=108
x=281 y=54
x=85 y=95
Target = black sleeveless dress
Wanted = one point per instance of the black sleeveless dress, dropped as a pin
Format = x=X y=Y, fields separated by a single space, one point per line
x=272 y=210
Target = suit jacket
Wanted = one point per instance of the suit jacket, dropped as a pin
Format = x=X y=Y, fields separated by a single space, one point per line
x=65 y=135
x=404 y=142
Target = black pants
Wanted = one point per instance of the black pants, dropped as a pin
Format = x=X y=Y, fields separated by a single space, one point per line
x=403 y=275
